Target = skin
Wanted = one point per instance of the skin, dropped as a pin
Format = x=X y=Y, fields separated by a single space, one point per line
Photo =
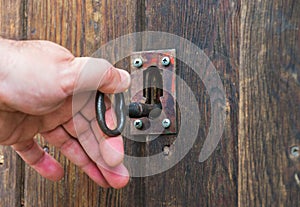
x=46 y=90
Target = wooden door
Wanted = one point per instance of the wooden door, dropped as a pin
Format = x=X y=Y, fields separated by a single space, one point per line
x=255 y=48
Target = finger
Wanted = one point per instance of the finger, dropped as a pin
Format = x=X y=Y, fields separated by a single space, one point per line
x=74 y=152
x=76 y=126
x=36 y=157
x=91 y=138
x=111 y=148
x=88 y=111
x=117 y=176
x=80 y=128
x=92 y=146
x=71 y=106
x=81 y=99
x=86 y=74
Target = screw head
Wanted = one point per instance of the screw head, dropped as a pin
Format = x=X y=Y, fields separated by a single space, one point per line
x=138 y=124
x=1 y=160
x=165 y=61
x=46 y=149
x=295 y=151
x=137 y=62
x=166 y=150
x=166 y=123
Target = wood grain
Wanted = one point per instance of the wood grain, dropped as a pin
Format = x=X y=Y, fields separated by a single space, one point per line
x=82 y=27
x=255 y=48
x=214 y=27
x=12 y=24
x=269 y=103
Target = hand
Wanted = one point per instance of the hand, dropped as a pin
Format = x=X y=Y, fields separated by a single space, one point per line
x=45 y=89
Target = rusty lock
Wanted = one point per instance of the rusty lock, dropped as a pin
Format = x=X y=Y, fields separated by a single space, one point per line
x=148 y=102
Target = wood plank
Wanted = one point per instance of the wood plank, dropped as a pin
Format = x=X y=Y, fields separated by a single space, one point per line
x=269 y=103
x=214 y=27
x=82 y=27
x=11 y=167
x=12 y=24
x=13 y=20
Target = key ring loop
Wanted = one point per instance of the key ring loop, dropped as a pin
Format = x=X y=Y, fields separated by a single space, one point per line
x=120 y=113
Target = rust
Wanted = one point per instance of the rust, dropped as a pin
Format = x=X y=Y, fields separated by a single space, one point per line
x=167 y=97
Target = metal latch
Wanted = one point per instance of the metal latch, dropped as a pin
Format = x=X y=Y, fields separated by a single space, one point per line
x=152 y=109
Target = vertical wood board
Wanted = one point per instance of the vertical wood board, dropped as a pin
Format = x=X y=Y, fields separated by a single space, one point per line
x=269 y=103
x=213 y=26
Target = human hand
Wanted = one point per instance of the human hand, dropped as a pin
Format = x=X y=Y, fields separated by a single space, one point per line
x=39 y=82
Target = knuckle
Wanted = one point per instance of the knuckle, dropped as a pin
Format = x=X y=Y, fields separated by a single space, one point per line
x=68 y=76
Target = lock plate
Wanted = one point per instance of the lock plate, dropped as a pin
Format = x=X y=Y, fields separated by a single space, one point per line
x=157 y=60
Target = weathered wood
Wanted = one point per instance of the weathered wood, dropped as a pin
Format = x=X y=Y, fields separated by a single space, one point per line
x=269 y=103
x=11 y=178
x=255 y=48
x=214 y=27
x=13 y=19
x=82 y=27
x=12 y=24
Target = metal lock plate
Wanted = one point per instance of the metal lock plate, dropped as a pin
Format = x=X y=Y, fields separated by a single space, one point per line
x=161 y=63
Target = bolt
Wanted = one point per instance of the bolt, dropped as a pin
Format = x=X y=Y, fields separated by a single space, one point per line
x=46 y=149
x=166 y=123
x=165 y=61
x=297 y=179
x=166 y=150
x=138 y=124
x=1 y=159
x=295 y=151
x=138 y=62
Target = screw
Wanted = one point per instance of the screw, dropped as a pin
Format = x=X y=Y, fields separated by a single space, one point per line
x=166 y=150
x=138 y=62
x=166 y=123
x=138 y=124
x=297 y=179
x=1 y=159
x=165 y=61
x=46 y=149
x=295 y=151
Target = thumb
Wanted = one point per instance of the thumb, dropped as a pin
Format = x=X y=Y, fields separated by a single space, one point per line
x=89 y=74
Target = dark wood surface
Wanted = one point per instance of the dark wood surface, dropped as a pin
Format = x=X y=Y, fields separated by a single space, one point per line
x=255 y=48
x=269 y=103
x=213 y=26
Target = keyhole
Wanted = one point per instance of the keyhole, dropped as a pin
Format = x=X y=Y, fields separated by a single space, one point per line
x=153 y=84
